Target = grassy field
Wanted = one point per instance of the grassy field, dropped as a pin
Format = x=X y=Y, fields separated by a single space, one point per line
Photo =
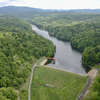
x=53 y=84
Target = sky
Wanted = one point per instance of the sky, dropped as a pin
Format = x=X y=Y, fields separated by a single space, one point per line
x=54 y=4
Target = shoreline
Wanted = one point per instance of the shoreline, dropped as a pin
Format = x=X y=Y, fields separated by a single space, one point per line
x=45 y=60
x=64 y=70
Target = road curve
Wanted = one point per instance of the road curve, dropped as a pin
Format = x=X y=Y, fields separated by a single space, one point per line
x=29 y=91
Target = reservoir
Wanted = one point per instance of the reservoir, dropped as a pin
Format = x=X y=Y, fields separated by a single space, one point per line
x=67 y=58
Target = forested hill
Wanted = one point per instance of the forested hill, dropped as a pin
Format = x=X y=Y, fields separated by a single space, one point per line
x=85 y=10
x=13 y=9
x=67 y=32
x=19 y=48
x=16 y=9
x=60 y=19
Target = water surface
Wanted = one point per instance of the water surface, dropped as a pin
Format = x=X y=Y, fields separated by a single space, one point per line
x=66 y=58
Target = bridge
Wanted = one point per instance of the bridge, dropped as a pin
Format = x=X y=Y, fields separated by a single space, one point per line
x=51 y=58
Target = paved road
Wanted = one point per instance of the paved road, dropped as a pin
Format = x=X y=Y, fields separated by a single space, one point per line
x=29 y=91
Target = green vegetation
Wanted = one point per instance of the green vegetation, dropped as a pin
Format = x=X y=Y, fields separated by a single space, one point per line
x=61 y=85
x=91 y=55
x=94 y=91
x=8 y=93
x=97 y=66
x=86 y=39
x=50 y=20
x=19 y=48
x=41 y=59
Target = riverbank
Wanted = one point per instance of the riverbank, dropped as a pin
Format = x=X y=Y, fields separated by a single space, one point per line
x=63 y=70
x=44 y=60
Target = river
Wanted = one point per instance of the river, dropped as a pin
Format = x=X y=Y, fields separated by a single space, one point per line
x=66 y=58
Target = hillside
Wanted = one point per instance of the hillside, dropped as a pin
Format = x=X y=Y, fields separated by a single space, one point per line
x=19 y=48
x=14 y=9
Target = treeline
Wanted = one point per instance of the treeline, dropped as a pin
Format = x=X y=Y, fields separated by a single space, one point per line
x=60 y=19
x=12 y=22
x=67 y=32
x=19 y=48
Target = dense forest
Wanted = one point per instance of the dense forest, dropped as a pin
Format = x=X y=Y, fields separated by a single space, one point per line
x=19 y=48
x=58 y=19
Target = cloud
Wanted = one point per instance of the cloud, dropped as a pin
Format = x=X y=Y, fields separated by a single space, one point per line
x=64 y=4
x=54 y=4
x=10 y=2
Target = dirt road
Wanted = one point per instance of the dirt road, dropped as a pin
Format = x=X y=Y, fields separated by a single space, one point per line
x=29 y=91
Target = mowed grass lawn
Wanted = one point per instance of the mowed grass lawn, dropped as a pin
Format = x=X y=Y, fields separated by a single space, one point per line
x=62 y=85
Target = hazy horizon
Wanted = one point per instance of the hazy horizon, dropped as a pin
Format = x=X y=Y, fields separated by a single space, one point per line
x=50 y=9
x=53 y=4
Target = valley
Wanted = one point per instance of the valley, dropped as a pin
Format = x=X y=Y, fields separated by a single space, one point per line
x=72 y=37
